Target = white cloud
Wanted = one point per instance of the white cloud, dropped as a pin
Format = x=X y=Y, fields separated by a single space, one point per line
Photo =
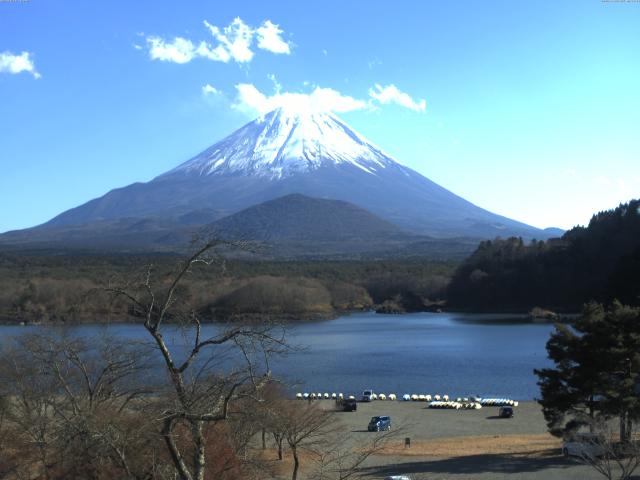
x=209 y=89
x=180 y=50
x=391 y=94
x=252 y=101
x=232 y=42
x=269 y=38
x=235 y=40
x=10 y=63
x=218 y=54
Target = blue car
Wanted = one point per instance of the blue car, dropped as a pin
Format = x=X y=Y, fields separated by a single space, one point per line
x=379 y=423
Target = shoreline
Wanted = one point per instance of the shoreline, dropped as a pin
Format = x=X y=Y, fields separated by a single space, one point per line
x=291 y=318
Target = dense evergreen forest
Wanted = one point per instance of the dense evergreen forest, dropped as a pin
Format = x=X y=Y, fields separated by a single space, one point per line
x=599 y=262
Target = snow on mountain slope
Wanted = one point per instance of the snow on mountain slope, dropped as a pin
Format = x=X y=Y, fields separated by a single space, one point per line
x=282 y=143
x=291 y=152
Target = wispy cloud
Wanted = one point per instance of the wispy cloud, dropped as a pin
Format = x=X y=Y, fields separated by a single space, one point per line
x=392 y=95
x=270 y=38
x=14 y=64
x=209 y=89
x=180 y=50
x=252 y=101
x=276 y=84
x=233 y=42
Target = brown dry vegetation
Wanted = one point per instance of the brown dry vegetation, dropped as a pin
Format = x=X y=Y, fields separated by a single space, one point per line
x=48 y=287
x=540 y=444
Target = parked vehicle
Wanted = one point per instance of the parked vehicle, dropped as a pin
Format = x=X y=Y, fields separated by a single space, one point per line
x=397 y=477
x=367 y=395
x=505 y=412
x=585 y=445
x=379 y=423
x=349 y=405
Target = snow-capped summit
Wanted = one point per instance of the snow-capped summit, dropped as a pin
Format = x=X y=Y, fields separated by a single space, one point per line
x=284 y=142
x=296 y=151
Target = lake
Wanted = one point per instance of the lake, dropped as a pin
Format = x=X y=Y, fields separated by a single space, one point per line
x=445 y=353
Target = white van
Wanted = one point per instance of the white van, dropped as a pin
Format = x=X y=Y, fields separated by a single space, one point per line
x=367 y=396
x=584 y=445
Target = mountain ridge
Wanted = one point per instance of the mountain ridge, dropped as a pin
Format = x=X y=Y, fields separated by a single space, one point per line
x=317 y=155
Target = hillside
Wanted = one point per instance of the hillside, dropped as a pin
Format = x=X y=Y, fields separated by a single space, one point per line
x=598 y=262
x=290 y=227
x=297 y=218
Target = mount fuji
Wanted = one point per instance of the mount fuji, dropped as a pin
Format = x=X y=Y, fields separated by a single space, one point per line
x=281 y=153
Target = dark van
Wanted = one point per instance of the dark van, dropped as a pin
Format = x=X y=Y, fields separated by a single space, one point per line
x=349 y=405
x=505 y=412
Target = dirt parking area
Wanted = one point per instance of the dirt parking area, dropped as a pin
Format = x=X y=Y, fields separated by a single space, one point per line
x=463 y=444
x=418 y=422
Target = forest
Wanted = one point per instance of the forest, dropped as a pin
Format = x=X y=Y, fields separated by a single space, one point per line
x=42 y=287
x=598 y=262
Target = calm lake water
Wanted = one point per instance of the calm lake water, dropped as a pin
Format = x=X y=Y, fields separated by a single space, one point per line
x=456 y=354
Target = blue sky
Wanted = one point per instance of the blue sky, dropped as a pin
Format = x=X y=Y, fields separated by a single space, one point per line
x=528 y=109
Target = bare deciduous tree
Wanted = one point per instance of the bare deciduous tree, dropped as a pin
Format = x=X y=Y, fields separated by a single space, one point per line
x=215 y=371
x=339 y=457
x=305 y=427
x=69 y=405
x=333 y=452
x=607 y=455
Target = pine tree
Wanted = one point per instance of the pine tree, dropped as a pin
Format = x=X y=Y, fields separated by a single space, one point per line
x=597 y=370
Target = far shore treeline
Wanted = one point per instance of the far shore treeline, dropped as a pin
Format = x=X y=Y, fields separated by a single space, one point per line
x=67 y=287
x=599 y=262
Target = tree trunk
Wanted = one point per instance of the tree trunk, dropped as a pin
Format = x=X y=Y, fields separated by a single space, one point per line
x=199 y=460
x=279 y=439
x=296 y=463
x=176 y=455
x=623 y=427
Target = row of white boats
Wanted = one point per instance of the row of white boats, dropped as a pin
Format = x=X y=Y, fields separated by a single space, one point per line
x=435 y=401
